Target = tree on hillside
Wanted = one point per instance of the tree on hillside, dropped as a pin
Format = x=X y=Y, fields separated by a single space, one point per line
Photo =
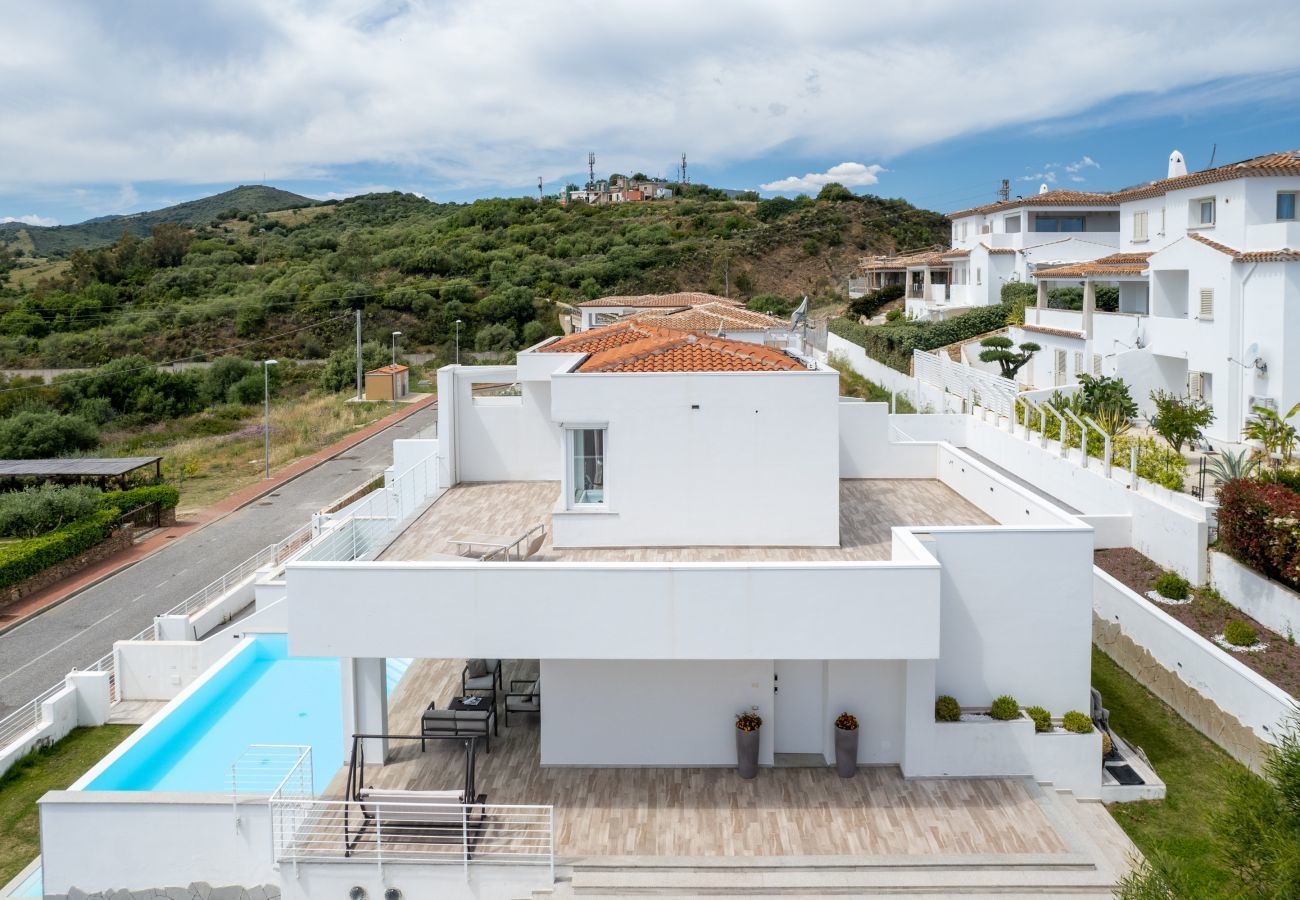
x=1179 y=419
x=340 y=372
x=835 y=191
x=42 y=435
x=999 y=350
x=169 y=245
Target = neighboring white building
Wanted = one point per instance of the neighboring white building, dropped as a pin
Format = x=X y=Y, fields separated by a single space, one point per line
x=605 y=310
x=720 y=320
x=998 y=243
x=1208 y=296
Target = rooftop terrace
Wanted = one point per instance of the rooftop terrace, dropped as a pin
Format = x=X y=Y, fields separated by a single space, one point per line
x=868 y=510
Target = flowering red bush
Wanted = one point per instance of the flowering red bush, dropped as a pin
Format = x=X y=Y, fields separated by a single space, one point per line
x=1259 y=524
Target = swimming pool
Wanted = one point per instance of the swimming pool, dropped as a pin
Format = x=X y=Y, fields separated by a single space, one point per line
x=260 y=696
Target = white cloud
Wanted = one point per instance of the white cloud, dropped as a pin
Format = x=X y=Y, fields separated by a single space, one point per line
x=29 y=220
x=1086 y=163
x=460 y=94
x=849 y=174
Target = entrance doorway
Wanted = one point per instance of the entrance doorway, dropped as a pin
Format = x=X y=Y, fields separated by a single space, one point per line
x=798 y=705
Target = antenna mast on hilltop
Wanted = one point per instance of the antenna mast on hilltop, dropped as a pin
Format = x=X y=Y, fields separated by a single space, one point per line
x=1004 y=192
x=539 y=188
x=591 y=167
x=684 y=181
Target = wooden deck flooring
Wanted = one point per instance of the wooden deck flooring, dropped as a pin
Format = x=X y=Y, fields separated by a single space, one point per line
x=693 y=812
x=868 y=509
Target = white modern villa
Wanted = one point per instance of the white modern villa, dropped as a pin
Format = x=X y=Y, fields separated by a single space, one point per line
x=620 y=544
x=1207 y=291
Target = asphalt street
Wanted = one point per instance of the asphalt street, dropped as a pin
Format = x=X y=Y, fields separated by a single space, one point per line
x=38 y=653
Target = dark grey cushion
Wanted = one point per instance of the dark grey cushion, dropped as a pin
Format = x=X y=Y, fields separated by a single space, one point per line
x=477 y=668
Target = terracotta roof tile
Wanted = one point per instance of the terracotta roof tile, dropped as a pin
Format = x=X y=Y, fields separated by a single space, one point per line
x=595 y=339
x=1050 y=198
x=668 y=351
x=1284 y=163
x=1115 y=264
x=931 y=257
x=710 y=317
x=657 y=301
x=1043 y=329
x=633 y=346
x=1286 y=254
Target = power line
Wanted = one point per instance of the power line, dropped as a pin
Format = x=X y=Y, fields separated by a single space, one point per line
x=171 y=362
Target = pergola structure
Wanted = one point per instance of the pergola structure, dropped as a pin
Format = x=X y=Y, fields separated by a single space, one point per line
x=1116 y=268
x=100 y=471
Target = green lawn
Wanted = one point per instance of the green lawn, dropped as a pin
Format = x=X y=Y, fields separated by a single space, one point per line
x=52 y=769
x=1192 y=767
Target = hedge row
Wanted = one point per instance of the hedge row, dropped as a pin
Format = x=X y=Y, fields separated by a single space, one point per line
x=893 y=344
x=1259 y=524
x=164 y=495
x=21 y=561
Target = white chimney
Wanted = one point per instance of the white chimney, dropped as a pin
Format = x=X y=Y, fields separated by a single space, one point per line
x=1042 y=189
x=1177 y=165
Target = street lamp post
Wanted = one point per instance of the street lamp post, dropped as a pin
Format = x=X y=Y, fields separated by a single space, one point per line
x=266 y=411
x=396 y=335
x=458 y=342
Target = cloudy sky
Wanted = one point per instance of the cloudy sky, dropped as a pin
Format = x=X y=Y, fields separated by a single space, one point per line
x=130 y=105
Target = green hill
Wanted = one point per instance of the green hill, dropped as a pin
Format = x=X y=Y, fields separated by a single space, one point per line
x=503 y=267
x=60 y=240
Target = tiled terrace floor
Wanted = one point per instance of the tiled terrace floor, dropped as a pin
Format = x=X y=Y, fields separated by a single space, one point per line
x=868 y=509
x=694 y=812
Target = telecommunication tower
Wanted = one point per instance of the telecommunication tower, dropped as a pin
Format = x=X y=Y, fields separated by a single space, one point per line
x=591 y=167
x=1004 y=192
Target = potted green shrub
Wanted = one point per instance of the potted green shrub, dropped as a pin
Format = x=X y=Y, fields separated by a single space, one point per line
x=846 y=745
x=1171 y=588
x=747 y=725
x=1238 y=635
x=1042 y=718
x=947 y=709
x=1077 y=722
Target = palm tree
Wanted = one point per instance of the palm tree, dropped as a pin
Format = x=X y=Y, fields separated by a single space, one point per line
x=1274 y=432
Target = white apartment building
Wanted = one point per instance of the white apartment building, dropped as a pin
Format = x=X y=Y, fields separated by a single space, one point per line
x=1208 y=296
x=998 y=243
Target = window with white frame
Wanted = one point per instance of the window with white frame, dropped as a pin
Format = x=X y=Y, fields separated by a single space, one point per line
x=963 y=230
x=1011 y=224
x=979 y=275
x=1078 y=363
x=1162 y=221
x=1096 y=364
x=1196 y=387
x=1201 y=212
x=1286 y=206
x=1058 y=367
x=586 y=467
x=1140 y=225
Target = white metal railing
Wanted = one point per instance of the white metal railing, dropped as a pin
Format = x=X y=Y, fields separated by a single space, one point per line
x=464 y=834
x=982 y=388
x=107 y=663
x=375 y=516
x=240 y=575
x=270 y=770
x=26 y=717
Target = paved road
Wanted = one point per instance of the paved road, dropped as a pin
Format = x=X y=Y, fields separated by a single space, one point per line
x=81 y=630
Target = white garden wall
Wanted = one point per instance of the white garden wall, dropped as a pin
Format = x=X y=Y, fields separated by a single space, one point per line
x=1261 y=598
x=83 y=700
x=1212 y=672
x=134 y=840
x=866 y=450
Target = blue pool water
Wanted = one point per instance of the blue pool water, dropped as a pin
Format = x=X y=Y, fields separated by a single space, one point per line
x=261 y=696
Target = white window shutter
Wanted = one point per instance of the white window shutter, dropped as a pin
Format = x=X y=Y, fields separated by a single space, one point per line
x=1059 y=372
x=1196 y=385
x=1207 y=303
x=1078 y=362
x=1096 y=364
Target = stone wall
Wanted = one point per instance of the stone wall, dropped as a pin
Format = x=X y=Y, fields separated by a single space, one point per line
x=120 y=540
x=1227 y=731
x=199 y=890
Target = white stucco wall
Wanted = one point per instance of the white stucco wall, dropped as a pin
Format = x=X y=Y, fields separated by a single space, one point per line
x=707 y=458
